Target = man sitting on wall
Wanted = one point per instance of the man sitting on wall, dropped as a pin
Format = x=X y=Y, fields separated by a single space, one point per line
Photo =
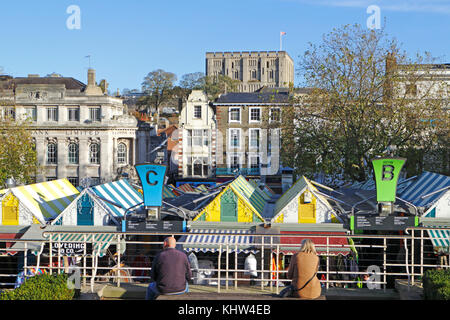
x=170 y=272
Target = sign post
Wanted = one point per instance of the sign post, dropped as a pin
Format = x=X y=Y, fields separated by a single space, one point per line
x=387 y=171
x=152 y=181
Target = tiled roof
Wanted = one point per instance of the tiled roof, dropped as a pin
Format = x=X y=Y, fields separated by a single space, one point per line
x=246 y=97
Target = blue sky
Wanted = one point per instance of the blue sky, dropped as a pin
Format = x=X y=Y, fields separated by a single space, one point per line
x=128 y=39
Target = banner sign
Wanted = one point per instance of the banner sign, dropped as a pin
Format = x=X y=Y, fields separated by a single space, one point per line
x=156 y=226
x=387 y=171
x=152 y=180
x=68 y=248
x=386 y=223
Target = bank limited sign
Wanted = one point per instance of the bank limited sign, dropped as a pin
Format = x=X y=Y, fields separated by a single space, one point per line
x=387 y=171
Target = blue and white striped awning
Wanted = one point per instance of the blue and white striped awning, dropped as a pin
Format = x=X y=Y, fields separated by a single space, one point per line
x=426 y=183
x=119 y=196
x=440 y=239
x=209 y=240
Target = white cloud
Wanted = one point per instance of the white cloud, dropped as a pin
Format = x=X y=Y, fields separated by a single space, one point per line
x=434 y=6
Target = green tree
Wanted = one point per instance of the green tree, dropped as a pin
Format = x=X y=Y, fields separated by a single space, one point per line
x=157 y=86
x=17 y=149
x=193 y=81
x=216 y=85
x=363 y=104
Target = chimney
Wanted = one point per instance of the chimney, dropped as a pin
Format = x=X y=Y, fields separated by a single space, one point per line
x=92 y=89
x=91 y=77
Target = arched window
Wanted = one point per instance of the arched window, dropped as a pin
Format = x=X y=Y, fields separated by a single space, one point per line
x=197 y=168
x=94 y=153
x=121 y=153
x=52 y=154
x=73 y=153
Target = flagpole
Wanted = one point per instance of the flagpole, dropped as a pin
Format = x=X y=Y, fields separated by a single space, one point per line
x=281 y=45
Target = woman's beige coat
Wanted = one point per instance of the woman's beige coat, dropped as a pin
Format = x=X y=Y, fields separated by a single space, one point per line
x=302 y=267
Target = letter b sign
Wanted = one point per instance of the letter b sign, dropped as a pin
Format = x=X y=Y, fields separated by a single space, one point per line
x=387 y=172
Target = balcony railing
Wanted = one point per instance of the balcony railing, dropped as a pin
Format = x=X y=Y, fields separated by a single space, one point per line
x=238 y=171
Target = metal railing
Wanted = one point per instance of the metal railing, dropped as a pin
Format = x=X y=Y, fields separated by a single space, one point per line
x=372 y=261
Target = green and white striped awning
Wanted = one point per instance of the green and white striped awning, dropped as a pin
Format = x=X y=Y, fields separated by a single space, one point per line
x=440 y=239
x=100 y=241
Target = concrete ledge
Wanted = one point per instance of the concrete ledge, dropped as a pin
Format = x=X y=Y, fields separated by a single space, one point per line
x=137 y=292
x=407 y=291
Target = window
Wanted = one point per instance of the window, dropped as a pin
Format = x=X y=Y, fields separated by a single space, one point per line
x=205 y=137
x=236 y=75
x=52 y=153
x=234 y=162
x=254 y=138
x=253 y=75
x=31 y=113
x=122 y=153
x=235 y=138
x=197 y=137
x=255 y=114
x=275 y=115
x=197 y=112
x=235 y=115
x=94 y=114
x=52 y=113
x=198 y=167
x=73 y=114
x=73 y=153
x=189 y=138
x=94 y=153
x=10 y=113
x=73 y=181
x=205 y=166
x=254 y=162
x=271 y=74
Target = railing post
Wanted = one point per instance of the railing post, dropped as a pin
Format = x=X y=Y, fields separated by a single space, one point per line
x=51 y=253
x=384 y=263
x=412 y=256
x=262 y=263
x=25 y=258
x=235 y=266
x=278 y=270
x=218 y=268
x=271 y=267
x=84 y=260
x=118 y=260
x=421 y=253
x=227 y=266
x=59 y=252
x=328 y=262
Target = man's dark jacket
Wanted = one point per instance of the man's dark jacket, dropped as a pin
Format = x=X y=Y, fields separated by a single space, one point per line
x=171 y=270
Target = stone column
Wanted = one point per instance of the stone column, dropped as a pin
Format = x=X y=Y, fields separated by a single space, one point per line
x=83 y=148
x=62 y=158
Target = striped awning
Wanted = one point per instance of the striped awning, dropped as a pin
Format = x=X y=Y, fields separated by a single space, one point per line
x=202 y=188
x=187 y=188
x=209 y=240
x=119 y=196
x=336 y=245
x=440 y=239
x=168 y=193
x=46 y=200
x=100 y=241
x=427 y=189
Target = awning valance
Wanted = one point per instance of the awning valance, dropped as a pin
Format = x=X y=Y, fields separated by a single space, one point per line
x=440 y=239
x=100 y=241
x=336 y=245
x=209 y=240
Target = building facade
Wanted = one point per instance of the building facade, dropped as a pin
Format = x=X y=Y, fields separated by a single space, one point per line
x=196 y=137
x=249 y=134
x=79 y=131
x=254 y=69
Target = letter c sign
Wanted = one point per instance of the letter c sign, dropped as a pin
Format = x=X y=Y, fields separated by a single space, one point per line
x=147 y=177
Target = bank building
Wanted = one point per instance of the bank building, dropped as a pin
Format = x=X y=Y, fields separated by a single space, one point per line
x=79 y=131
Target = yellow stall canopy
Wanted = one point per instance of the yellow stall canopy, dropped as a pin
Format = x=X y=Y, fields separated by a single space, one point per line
x=46 y=200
